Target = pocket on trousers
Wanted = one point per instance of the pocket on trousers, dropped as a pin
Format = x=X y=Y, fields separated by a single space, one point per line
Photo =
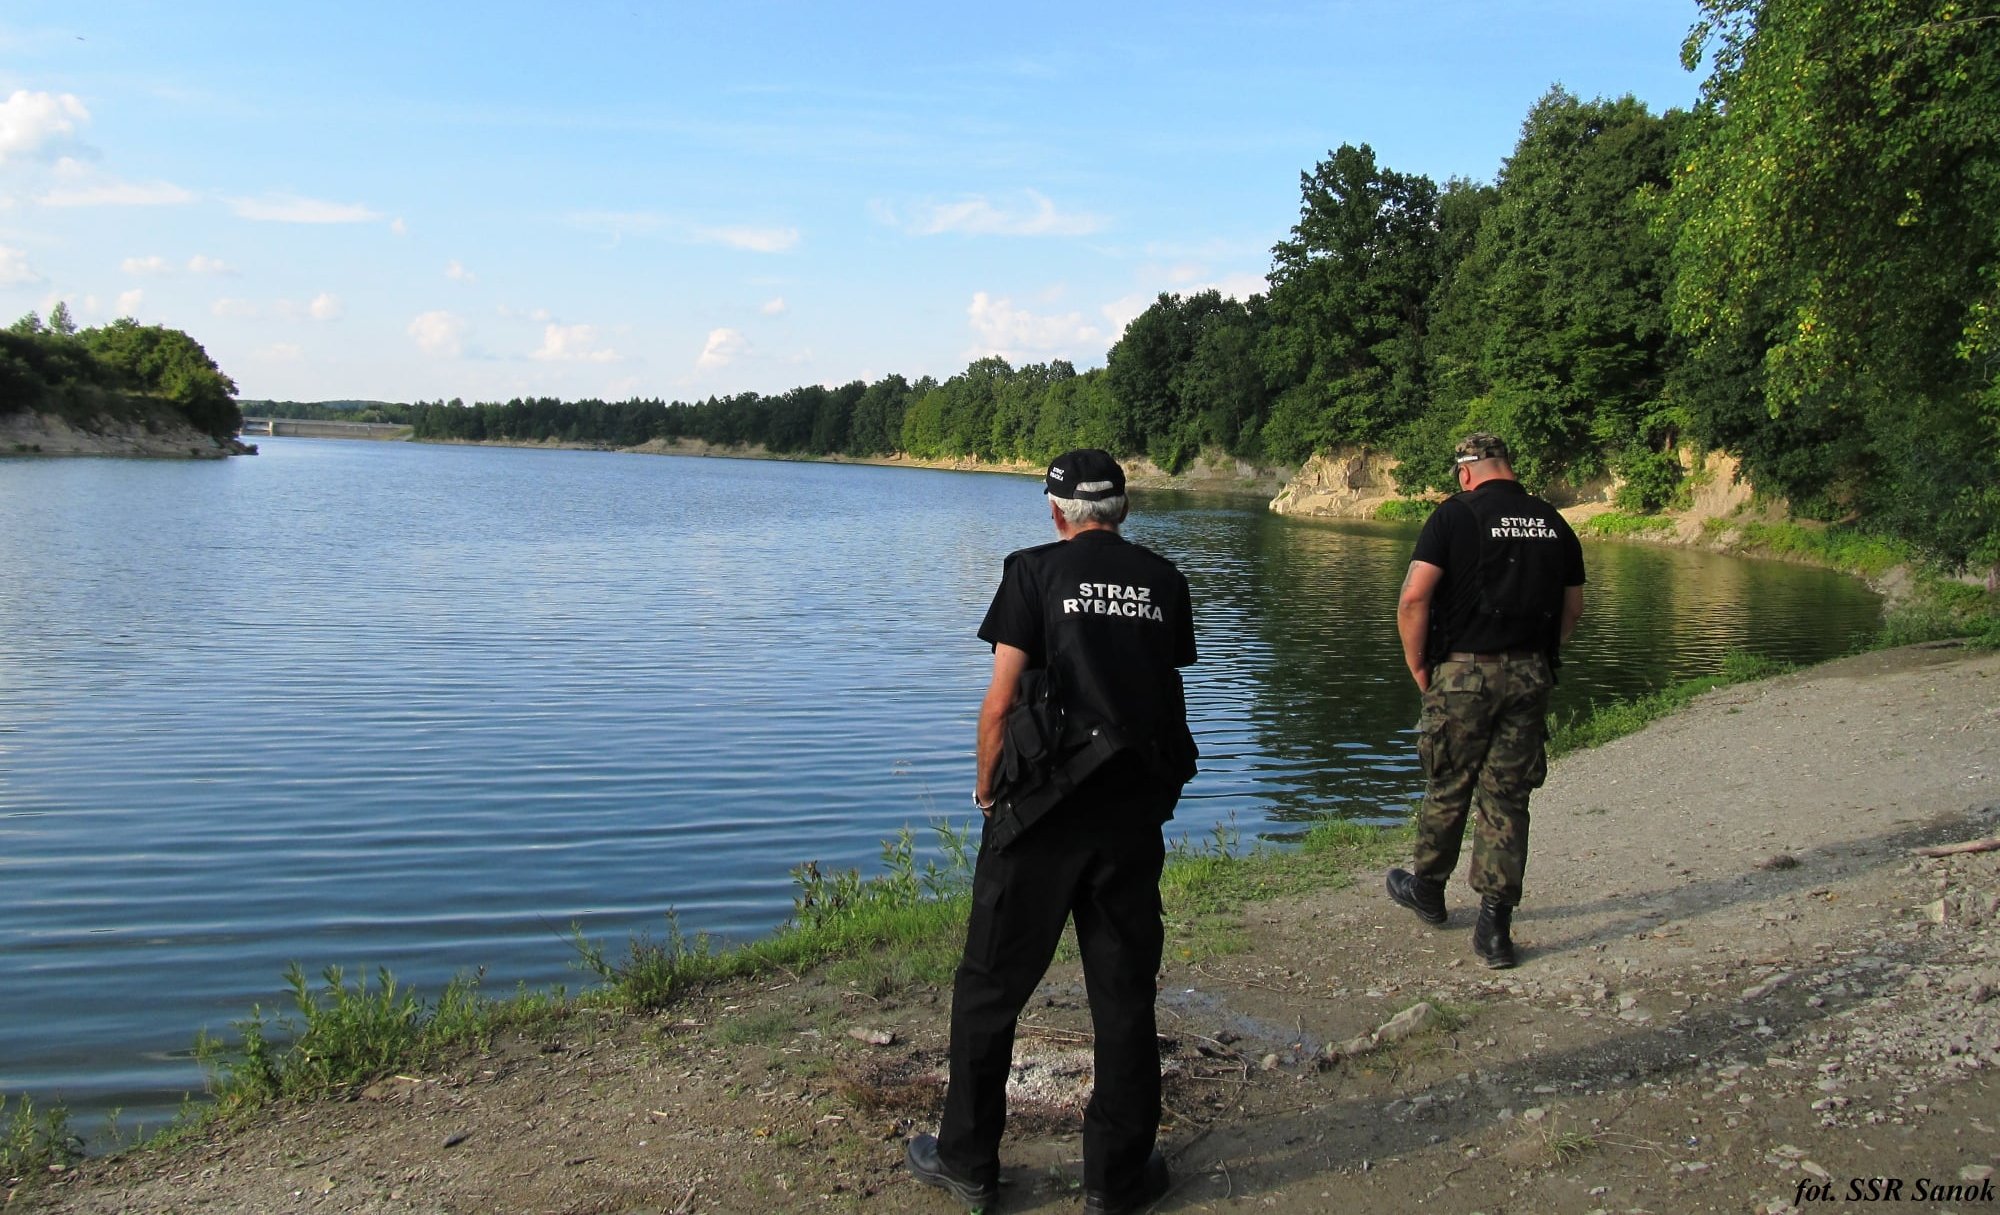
x=1431 y=748
x=1538 y=767
x=982 y=932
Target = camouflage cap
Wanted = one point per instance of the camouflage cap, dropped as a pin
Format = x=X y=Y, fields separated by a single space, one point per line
x=1481 y=445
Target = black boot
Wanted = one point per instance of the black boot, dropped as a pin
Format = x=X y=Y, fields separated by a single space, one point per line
x=1421 y=895
x=1492 y=937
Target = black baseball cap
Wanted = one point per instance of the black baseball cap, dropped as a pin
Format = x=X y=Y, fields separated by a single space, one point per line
x=1088 y=474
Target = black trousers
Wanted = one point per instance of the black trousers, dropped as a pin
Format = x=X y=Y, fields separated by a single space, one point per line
x=1101 y=863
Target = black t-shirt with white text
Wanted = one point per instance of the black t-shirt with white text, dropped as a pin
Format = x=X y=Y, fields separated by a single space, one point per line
x=1117 y=619
x=1507 y=556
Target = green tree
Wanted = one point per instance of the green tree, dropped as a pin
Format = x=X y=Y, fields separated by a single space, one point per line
x=1837 y=258
x=1348 y=300
x=1554 y=330
x=173 y=366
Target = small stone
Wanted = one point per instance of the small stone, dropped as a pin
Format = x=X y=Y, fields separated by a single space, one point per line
x=1534 y=1115
x=1816 y=1169
x=1976 y=1172
x=1411 y=1020
x=1269 y=1063
x=873 y=1037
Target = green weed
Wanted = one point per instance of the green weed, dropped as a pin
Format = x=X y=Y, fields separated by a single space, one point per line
x=766 y=1028
x=341 y=1036
x=1564 y=1146
x=1398 y=510
x=1612 y=525
x=1938 y=608
x=1206 y=885
x=34 y=1141
x=1600 y=724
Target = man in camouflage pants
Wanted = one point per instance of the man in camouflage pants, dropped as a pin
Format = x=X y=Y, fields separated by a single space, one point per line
x=1494 y=590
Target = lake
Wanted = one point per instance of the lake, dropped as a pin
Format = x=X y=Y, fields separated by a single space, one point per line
x=426 y=707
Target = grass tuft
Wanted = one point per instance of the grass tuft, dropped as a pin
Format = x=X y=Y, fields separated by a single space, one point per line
x=32 y=1142
x=1398 y=510
x=1599 y=724
x=1613 y=525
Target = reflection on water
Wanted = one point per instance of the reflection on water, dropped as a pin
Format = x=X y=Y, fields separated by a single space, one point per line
x=426 y=707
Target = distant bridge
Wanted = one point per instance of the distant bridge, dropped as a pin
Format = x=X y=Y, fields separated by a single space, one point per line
x=304 y=428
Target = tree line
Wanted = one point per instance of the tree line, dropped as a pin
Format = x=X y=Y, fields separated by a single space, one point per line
x=123 y=370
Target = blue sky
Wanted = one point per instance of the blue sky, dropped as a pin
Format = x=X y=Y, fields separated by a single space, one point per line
x=425 y=200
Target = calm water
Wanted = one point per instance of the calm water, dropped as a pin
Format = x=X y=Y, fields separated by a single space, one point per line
x=425 y=707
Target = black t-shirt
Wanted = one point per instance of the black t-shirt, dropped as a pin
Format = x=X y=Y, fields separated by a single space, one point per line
x=1515 y=520
x=1118 y=620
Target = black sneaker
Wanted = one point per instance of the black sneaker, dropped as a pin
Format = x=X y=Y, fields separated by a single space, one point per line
x=925 y=1166
x=1420 y=895
x=1153 y=1184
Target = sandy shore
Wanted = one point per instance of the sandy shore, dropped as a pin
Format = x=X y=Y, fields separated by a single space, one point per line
x=1740 y=981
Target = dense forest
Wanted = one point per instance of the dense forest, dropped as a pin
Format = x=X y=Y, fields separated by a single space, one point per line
x=125 y=371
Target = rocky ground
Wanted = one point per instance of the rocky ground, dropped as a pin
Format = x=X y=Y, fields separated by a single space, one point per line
x=1742 y=985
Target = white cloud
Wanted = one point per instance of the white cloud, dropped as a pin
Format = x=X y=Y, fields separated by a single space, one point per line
x=233 y=307
x=1119 y=312
x=281 y=352
x=32 y=123
x=1002 y=329
x=439 y=332
x=14 y=268
x=620 y=224
x=154 y=265
x=457 y=273
x=573 y=344
x=754 y=240
x=129 y=301
x=1184 y=280
x=111 y=193
x=724 y=347
x=978 y=216
x=201 y=263
x=325 y=307
x=773 y=307
x=1243 y=285
x=294 y=209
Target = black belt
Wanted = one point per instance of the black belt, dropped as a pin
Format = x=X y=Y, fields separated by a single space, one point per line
x=1503 y=656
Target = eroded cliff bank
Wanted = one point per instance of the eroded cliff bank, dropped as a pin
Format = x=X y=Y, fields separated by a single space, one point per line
x=42 y=434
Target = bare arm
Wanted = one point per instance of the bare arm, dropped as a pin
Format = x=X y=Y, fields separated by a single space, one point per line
x=1572 y=610
x=1008 y=663
x=1413 y=617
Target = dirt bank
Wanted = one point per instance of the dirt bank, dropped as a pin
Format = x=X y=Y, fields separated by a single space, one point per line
x=1739 y=980
x=40 y=434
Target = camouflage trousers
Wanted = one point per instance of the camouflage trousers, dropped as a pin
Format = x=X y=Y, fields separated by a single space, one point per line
x=1484 y=725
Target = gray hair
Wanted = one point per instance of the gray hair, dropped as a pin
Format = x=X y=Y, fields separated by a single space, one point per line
x=1081 y=512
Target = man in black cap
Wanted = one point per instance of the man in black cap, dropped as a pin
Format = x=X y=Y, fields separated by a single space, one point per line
x=1494 y=590
x=1082 y=751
